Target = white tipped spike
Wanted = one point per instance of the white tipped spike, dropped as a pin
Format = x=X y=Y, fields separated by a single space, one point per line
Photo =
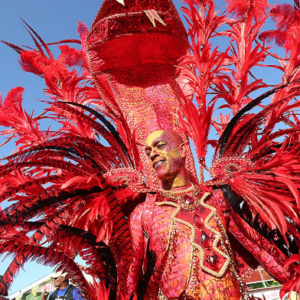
x=121 y=1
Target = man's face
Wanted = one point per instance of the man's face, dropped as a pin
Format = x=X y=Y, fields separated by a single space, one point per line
x=165 y=152
x=58 y=281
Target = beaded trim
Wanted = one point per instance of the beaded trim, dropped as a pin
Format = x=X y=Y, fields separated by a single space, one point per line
x=216 y=241
x=161 y=296
x=170 y=194
x=129 y=177
x=243 y=286
x=179 y=197
x=124 y=174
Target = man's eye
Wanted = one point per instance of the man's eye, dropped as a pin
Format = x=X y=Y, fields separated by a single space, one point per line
x=147 y=153
x=160 y=145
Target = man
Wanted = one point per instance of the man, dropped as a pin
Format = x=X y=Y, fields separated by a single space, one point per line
x=64 y=291
x=186 y=231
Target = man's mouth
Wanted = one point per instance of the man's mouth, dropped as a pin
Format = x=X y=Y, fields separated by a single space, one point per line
x=158 y=163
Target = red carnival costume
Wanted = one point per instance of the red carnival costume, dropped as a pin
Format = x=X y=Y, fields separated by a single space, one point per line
x=98 y=190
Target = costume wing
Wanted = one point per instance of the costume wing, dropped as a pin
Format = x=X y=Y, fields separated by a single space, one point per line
x=267 y=160
x=257 y=167
x=71 y=189
x=256 y=161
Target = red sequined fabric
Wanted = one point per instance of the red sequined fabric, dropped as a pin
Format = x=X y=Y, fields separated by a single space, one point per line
x=170 y=230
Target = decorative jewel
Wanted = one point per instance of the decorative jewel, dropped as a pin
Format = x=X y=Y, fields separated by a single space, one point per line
x=203 y=237
x=187 y=198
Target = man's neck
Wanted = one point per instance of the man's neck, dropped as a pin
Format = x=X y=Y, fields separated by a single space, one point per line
x=63 y=286
x=179 y=182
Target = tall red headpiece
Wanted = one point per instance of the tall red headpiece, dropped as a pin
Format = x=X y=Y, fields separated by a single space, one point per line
x=140 y=32
x=133 y=50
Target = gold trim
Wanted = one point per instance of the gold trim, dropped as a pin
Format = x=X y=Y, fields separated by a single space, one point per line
x=178 y=191
x=216 y=241
x=194 y=245
x=161 y=295
x=179 y=196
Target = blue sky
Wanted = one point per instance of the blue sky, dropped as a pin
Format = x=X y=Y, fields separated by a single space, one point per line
x=54 y=20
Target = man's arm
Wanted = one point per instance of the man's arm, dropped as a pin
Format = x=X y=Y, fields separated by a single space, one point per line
x=45 y=295
x=136 y=230
x=267 y=254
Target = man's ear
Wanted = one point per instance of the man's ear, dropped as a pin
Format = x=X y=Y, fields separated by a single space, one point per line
x=183 y=150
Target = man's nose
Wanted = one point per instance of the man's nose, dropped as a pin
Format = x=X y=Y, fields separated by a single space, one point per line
x=153 y=155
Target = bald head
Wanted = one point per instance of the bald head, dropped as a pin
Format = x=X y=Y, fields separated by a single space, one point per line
x=168 y=135
x=166 y=152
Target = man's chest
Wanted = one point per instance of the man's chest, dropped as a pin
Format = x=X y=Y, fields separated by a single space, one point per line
x=189 y=232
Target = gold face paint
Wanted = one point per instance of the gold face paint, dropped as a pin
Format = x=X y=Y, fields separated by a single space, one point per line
x=164 y=151
x=178 y=182
x=153 y=136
